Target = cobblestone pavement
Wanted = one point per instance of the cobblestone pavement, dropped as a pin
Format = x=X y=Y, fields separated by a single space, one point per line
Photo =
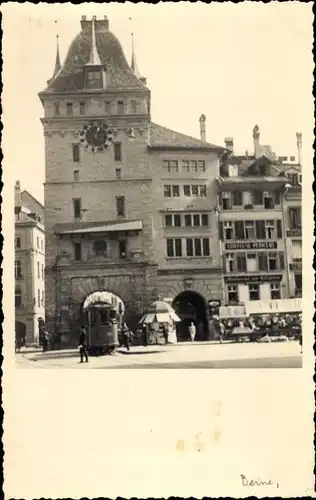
x=197 y=355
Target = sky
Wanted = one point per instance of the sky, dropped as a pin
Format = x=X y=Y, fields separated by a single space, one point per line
x=239 y=64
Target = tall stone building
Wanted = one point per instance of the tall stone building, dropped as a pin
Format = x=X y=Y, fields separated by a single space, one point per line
x=29 y=266
x=130 y=206
x=260 y=224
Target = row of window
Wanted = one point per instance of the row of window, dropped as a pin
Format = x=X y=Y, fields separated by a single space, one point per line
x=18 y=244
x=230 y=199
x=101 y=249
x=19 y=302
x=120 y=207
x=109 y=107
x=18 y=269
x=254 y=261
x=195 y=190
x=117 y=148
x=188 y=247
x=251 y=230
x=184 y=165
x=76 y=174
x=254 y=292
x=187 y=220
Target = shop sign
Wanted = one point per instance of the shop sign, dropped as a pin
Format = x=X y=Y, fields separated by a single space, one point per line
x=251 y=245
x=254 y=279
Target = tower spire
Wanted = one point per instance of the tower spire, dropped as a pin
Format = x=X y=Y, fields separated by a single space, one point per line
x=57 y=62
x=134 y=62
x=94 y=59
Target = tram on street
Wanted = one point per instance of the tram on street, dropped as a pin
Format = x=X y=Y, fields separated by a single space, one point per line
x=103 y=319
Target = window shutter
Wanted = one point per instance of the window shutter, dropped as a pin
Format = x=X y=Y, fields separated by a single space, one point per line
x=258 y=197
x=277 y=198
x=281 y=260
x=260 y=232
x=221 y=231
x=237 y=198
x=239 y=229
x=279 y=228
x=263 y=262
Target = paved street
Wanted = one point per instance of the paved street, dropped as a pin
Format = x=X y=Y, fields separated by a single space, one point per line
x=197 y=355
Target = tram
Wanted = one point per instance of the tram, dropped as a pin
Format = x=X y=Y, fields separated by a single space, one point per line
x=103 y=319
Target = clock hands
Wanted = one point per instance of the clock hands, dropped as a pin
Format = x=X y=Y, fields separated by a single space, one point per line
x=96 y=134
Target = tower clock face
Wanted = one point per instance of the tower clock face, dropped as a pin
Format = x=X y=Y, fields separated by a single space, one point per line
x=96 y=137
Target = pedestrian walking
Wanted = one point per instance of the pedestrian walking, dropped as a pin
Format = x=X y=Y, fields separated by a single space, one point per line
x=300 y=339
x=45 y=341
x=221 y=332
x=192 y=331
x=127 y=336
x=83 y=345
x=165 y=332
x=145 y=335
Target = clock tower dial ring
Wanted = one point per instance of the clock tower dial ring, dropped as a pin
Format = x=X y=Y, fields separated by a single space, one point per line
x=96 y=137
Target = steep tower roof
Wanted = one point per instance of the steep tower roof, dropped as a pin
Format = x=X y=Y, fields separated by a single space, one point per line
x=97 y=42
x=134 y=62
x=57 y=62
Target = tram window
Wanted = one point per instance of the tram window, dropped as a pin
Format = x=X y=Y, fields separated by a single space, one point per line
x=103 y=317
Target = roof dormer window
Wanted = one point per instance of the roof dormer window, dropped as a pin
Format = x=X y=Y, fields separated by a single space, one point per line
x=94 y=79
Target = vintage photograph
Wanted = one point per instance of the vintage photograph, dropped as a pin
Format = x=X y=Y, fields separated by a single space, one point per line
x=161 y=225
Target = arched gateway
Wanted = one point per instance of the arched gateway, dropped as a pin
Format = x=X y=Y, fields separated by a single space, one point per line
x=192 y=307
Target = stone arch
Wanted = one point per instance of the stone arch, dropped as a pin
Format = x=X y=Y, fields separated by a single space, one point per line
x=192 y=306
x=82 y=287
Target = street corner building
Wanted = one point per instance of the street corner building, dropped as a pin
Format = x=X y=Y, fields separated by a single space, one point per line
x=29 y=265
x=143 y=212
x=129 y=204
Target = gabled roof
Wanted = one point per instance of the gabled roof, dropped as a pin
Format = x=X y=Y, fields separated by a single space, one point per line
x=31 y=196
x=162 y=137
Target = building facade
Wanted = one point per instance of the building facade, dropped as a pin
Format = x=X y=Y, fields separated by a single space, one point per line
x=260 y=225
x=29 y=265
x=129 y=205
x=144 y=212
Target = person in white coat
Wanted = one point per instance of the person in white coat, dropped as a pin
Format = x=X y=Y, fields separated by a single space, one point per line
x=192 y=331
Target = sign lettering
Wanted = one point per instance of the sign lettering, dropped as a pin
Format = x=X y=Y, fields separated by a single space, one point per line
x=252 y=245
x=253 y=279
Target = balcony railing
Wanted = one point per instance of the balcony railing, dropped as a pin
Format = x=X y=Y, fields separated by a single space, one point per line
x=294 y=233
x=296 y=266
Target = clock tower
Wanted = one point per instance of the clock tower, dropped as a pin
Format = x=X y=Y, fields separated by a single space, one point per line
x=98 y=201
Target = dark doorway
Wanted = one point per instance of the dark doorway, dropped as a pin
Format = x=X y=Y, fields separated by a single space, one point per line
x=20 y=332
x=191 y=307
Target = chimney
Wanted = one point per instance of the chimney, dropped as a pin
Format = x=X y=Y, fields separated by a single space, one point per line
x=202 y=128
x=256 y=141
x=18 y=197
x=229 y=143
x=299 y=147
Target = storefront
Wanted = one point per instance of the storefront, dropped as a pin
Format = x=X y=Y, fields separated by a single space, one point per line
x=245 y=288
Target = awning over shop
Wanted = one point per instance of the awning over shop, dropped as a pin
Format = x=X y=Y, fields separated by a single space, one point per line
x=274 y=306
x=84 y=228
x=226 y=312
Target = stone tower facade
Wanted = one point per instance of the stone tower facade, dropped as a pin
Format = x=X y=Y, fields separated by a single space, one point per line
x=129 y=205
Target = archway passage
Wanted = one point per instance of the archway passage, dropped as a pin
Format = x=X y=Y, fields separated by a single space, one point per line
x=191 y=307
